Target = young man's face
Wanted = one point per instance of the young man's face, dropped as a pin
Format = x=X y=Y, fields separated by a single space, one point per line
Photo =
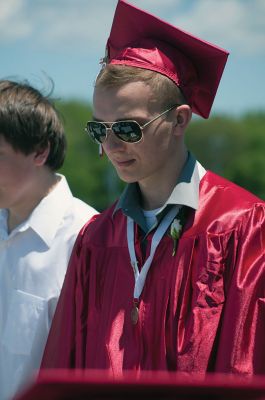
x=149 y=160
x=16 y=171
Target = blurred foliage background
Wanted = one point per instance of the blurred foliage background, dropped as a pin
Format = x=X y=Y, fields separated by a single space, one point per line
x=233 y=147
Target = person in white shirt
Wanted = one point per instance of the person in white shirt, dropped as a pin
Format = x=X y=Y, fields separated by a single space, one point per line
x=39 y=222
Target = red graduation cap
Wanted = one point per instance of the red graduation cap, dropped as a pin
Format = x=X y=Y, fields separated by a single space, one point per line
x=140 y=39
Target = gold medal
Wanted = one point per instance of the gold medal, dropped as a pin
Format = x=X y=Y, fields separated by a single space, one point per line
x=134 y=314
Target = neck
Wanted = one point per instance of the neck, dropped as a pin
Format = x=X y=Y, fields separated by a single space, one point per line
x=154 y=193
x=21 y=211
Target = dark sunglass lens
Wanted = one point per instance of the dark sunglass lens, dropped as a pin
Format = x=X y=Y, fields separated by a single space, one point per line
x=97 y=131
x=128 y=131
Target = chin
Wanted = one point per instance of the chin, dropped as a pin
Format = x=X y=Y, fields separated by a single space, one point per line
x=127 y=178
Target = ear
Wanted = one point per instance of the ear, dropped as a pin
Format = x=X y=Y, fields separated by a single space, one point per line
x=41 y=156
x=183 y=116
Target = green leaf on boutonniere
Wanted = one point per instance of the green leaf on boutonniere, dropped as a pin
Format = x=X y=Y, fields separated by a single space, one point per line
x=175 y=230
x=176 y=227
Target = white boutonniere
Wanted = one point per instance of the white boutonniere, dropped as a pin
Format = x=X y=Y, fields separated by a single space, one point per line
x=175 y=231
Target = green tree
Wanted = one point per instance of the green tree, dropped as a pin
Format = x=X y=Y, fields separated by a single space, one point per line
x=233 y=148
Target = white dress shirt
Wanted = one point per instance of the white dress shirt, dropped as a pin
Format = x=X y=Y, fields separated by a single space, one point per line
x=33 y=262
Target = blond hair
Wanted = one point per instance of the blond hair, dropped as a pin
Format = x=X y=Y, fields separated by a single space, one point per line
x=164 y=89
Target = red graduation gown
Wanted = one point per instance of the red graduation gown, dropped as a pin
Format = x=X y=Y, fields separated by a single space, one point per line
x=201 y=310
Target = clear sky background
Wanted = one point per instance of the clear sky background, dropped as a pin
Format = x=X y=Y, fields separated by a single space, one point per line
x=65 y=39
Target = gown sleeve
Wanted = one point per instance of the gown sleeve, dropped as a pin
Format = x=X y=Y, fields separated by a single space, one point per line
x=65 y=347
x=241 y=345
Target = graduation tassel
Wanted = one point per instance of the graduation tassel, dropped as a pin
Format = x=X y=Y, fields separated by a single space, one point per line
x=100 y=150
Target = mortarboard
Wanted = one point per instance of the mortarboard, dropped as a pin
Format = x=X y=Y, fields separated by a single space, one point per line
x=140 y=39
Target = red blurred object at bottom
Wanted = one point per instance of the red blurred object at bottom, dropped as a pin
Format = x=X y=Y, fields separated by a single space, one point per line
x=97 y=384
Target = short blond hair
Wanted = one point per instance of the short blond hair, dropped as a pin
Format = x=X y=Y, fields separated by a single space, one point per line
x=164 y=89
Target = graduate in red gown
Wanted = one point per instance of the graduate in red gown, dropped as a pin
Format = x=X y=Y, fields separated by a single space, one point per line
x=172 y=276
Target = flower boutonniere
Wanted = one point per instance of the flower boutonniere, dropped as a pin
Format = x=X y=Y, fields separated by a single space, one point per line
x=175 y=231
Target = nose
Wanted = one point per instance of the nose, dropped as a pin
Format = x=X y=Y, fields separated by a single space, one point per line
x=112 y=142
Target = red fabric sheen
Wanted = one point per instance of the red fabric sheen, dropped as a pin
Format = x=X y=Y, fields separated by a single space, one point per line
x=200 y=311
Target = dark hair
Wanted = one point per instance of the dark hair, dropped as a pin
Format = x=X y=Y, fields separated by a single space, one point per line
x=29 y=121
x=164 y=89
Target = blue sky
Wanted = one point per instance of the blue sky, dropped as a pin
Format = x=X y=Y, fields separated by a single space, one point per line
x=65 y=39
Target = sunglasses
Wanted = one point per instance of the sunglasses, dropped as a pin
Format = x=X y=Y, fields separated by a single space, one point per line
x=128 y=131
